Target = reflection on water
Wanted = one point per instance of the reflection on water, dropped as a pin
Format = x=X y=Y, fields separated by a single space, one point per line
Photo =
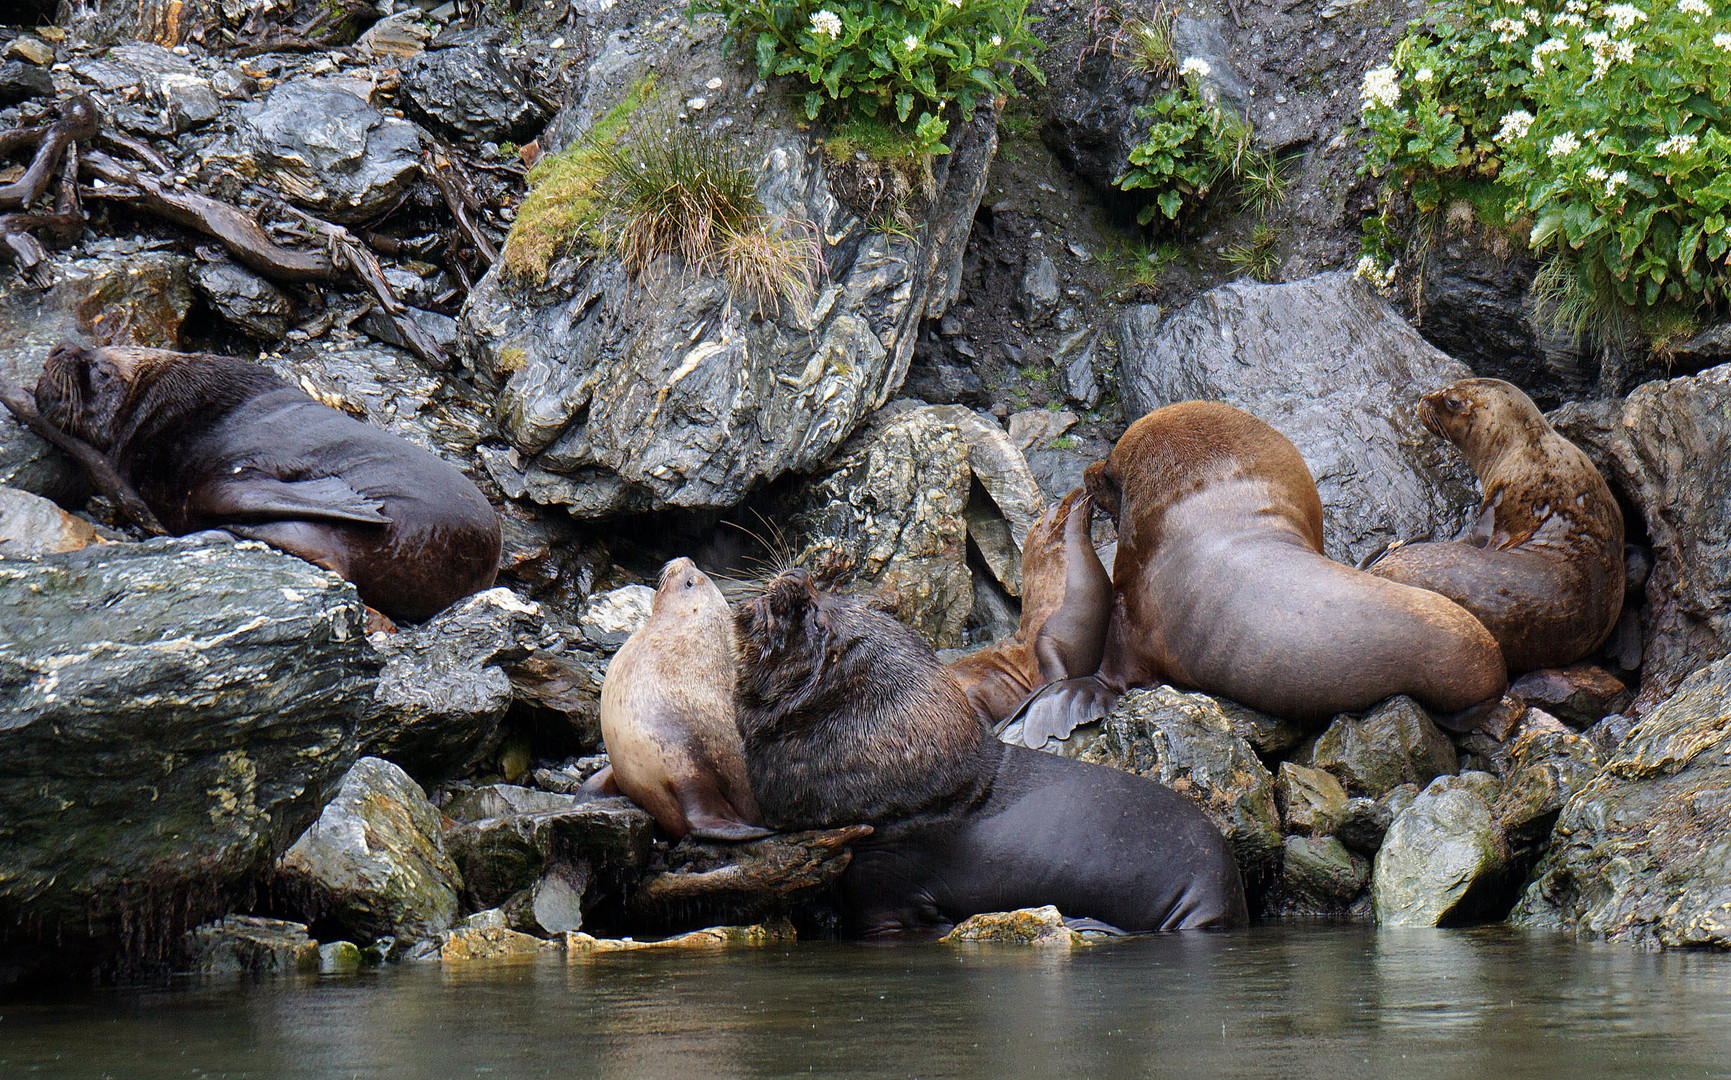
x=1334 y=1002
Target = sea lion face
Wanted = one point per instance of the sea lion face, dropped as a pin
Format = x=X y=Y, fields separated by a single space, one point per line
x=86 y=392
x=784 y=636
x=1479 y=415
x=685 y=590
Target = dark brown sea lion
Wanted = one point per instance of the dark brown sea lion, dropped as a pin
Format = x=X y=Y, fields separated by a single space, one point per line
x=848 y=716
x=1542 y=564
x=667 y=715
x=214 y=442
x=1066 y=597
x=1221 y=585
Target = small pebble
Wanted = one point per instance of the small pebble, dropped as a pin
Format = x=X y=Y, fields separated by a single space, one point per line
x=713 y=84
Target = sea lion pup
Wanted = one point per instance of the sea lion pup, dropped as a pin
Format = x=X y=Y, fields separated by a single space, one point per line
x=1221 y=585
x=1542 y=564
x=848 y=717
x=667 y=715
x=1066 y=598
x=214 y=442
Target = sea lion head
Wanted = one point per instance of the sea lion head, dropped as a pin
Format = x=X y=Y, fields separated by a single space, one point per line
x=88 y=392
x=1483 y=417
x=847 y=714
x=685 y=591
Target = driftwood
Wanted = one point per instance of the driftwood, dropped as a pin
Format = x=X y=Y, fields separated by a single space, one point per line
x=760 y=869
x=95 y=464
x=78 y=121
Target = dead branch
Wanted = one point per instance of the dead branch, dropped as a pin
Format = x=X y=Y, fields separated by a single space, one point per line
x=79 y=120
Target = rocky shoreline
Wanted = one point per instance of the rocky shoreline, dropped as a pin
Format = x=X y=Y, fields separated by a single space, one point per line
x=207 y=764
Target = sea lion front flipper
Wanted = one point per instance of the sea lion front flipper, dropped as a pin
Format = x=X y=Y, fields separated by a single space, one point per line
x=709 y=814
x=264 y=498
x=1072 y=640
x=601 y=783
x=96 y=466
x=709 y=827
x=1057 y=709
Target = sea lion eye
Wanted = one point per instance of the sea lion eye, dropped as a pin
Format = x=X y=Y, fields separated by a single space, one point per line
x=1454 y=404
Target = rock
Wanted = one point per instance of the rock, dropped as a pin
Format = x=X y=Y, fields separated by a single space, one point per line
x=326 y=149
x=1333 y=368
x=492 y=943
x=31 y=526
x=396 y=37
x=163 y=22
x=1669 y=451
x=1364 y=822
x=1392 y=744
x=776 y=933
x=1187 y=742
x=1040 y=293
x=674 y=392
x=245 y=299
x=1015 y=496
x=608 y=618
x=1319 y=876
x=340 y=958
x=374 y=863
x=468 y=90
x=1442 y=862
x=708 y=880
x=1547 y=765
x=890 y=510
x=1642 y=853
x=559 y=699
x=1090 y=120
x=1027 y=926
x=248 y=945
x=1311 y=801
x=173 y=712
x=1074 y=361
x=443 y=692
x=945 y=384
x=170 y=85
x=1034 y=429
x=19 y=81
x=1580 y=695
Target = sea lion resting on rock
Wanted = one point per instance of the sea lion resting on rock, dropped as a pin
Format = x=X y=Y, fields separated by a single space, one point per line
x=1542 y=564
x=214 y=442
x=667 y=715
x=1066 y=597
x=848 y=716
x=1221 y=585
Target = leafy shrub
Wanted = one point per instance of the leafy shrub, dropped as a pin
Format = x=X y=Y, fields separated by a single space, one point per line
x=1605 y=124
x=1194 y=148
x=911 y=58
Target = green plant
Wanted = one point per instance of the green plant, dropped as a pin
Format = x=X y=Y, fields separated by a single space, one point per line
x=1063 y=442
x=1138 y=266
x=1148 y=45
x=909 y=58
x=1257 y=254
x=1604 y=123
x=1194 y=147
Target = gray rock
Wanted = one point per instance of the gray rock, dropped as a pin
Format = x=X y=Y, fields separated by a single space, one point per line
x=1642 y=853
x=1016 y=499
x=324 y=148
x=1074 y=360
x=468 y=90
x=608 y=618
x=1319 y=876
x=374 y=863
x=1187 y=742
x=1394 y=743
x=1364 y=822
x=245 y=299
x=890 y=510
x=31 y=526
x=1333 y=368
x=674 y=391
x=171 y=713
x=443 y=691
x=170 y=84
x=1547 y=765
x=1442 y=861
x=558 y=696
x=1040 y=293
x=1580 y=695
x=19 y=81
x=1312 y=802
x=248 y=945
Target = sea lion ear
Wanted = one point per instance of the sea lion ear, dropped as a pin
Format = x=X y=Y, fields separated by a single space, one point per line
x=1102 y=490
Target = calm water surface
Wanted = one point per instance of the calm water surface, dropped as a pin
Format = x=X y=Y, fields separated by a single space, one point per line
x=1332 y=1002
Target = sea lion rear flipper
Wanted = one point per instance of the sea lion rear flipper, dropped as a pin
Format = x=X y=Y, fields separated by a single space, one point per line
x=263 y=498
x=1057 y=709
x=600 y=783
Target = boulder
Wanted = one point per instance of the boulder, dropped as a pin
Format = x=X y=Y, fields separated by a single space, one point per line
x=172 y=714
x=1319 y=876
x=1187 y=742
x=1443 y=862
x=1028 y=926
x=1312 y=802
x=1392 y=744
x=1332 y=367
x=465 y=88
x=31 y=526
x=1642 y=852
x=1016 y=501
x=1579 y=695
x=607 y=619
x=374 y=863
x=250 y=302
x=714 y=937
x=248 y=945
x=674 y=391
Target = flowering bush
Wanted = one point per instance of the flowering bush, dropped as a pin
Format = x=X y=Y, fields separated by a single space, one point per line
x=1606 y=124
x=908 y=57
x=1192 y=148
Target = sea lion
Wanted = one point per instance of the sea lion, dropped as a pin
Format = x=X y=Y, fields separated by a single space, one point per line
x=215 y=442
x=848 y=717
x=1066 y=597
x=667 y=715
x=1220 y=585
x=1542 y=563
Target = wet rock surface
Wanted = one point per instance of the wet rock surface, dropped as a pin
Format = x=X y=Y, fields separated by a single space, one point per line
x=1442 y=861
x=249 y=945
x=1395 y=743
x=1029 y=926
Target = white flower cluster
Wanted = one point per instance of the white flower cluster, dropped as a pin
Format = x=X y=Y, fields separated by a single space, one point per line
x=1576 y=7
x=1606 y=51
x=910 y=43
x=1515 y=126
x=1195 y=65
x=997 y=41
x=1696 y=9
x=1544 y=49
x=1675 y=146
x=1568 y=18
x=1381 y=87
x=1598 y=173
x=1563 y=145
x=1509 y=30
x=1723 y=41
x=1615 y=181
x=1623 y=16
x=1377 y=277
x=826 y=24
x=1423 y=75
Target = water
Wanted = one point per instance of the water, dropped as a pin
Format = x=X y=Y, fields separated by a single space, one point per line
x=1330 y=1002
